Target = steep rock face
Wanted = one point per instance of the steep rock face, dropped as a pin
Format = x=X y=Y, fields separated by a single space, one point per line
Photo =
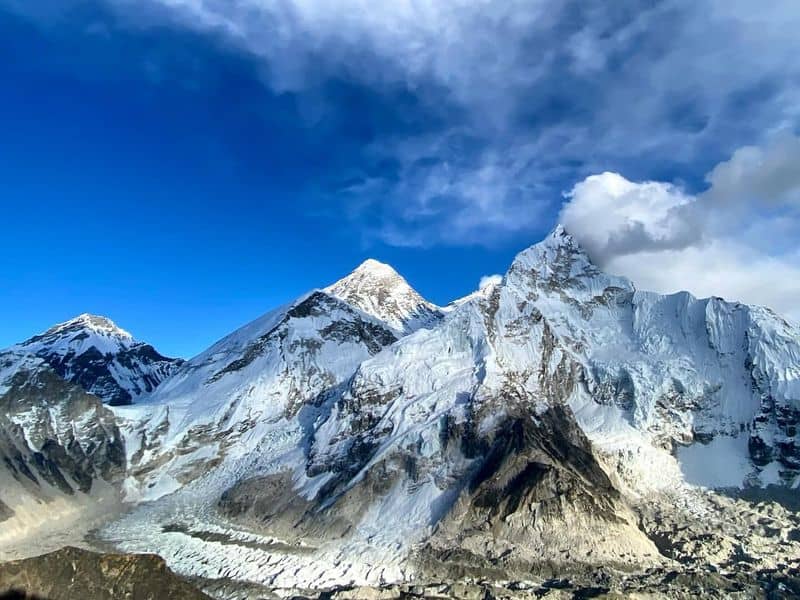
x=540 y=494
x=53 y=431
x=673 y=368
x=378 y=290
x=57 y=444
x=100 y=357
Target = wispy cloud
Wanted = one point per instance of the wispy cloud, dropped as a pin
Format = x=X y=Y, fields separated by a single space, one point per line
x=497 y=105
x=460 y=122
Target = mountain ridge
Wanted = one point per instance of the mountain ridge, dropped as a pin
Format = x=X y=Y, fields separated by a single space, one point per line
x=542 y=419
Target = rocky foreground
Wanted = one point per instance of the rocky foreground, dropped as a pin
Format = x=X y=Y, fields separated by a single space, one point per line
x=711 y=545
x=72 y=573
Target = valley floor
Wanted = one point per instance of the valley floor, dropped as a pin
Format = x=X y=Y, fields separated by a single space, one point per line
x=37 y=528
x=714 y=546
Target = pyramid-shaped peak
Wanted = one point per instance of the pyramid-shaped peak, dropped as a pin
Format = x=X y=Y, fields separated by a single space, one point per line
x=378 y=290
x=558 y=246
x=375 y=267
x=559 y=241
x=79 y=334
x=559 y=236
x=95 y=323
x=559 y=262
x=371 y=278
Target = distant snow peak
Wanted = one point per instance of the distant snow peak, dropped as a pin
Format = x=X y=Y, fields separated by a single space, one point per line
x=376 y=267
x=378 y=290
x=95 y=323
x=368 y=274
x=104 y=359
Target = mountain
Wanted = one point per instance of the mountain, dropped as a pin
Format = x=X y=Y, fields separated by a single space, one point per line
x=61 y=451
x=103 y=359
x=378 y=290
x=251 y=395
x=557 y=422
x=61 y=448
x=522 y=426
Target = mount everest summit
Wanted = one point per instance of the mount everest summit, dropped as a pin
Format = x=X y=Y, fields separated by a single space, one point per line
x=557 y=421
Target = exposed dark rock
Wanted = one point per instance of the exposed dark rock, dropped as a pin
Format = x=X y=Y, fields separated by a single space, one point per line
x=66 y=457
x=72 y=573
x=5 y=511
x=760 y=452
x=539 y=488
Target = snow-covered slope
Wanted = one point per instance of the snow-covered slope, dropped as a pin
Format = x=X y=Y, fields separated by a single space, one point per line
x=673 y=368
x=378 y=290
x=100 y=357
x=248 y=391
x=61 y=452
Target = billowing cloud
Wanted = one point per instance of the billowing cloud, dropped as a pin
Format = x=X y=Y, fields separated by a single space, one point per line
x=480 y=112
x=490 y=281
x=736 y=239
x=754 y=174
x=616 y=217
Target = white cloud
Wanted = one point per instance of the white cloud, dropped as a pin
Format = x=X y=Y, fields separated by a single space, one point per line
x=490 y=281
x=616 y=217
x=542 y=91
x=722 y=268
x=728 y=241
x=770 y=174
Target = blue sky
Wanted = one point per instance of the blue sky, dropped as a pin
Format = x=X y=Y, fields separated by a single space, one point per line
x=184 y=167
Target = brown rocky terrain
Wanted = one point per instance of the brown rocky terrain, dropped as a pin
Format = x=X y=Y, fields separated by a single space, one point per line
x=72 y=573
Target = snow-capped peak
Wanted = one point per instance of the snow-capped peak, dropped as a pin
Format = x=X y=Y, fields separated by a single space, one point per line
x=93 y=323
x=559 y=262
x=375 y=267
x=559 y=233
x=380 y=291
x=104 y=359
x=81 y=333
x=559 y=240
